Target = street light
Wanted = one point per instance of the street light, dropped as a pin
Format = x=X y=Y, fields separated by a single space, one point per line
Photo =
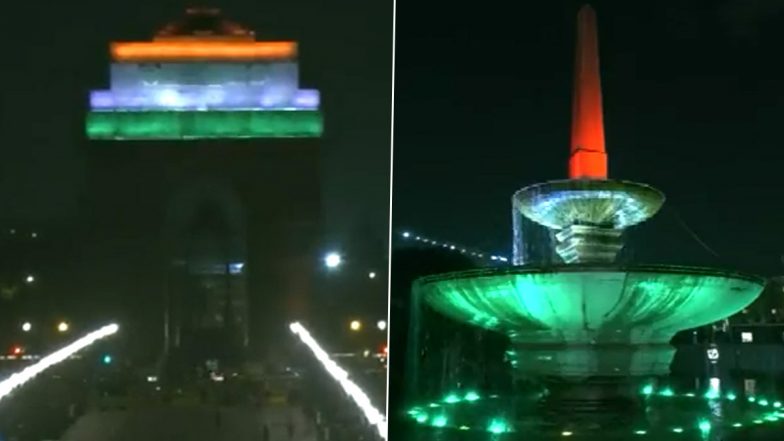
x=30 y=279
x=355 y=325
x=27 y=326
x=372 y=274
x=63 y=327
x=382 y=325
x=333 y=260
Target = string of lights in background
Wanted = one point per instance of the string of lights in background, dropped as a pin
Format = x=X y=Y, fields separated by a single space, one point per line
x=493 y=258
x=359 y=397
x=20 y=378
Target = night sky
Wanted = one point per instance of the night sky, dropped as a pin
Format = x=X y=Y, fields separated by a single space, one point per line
x=693 y=102
x=55 y=52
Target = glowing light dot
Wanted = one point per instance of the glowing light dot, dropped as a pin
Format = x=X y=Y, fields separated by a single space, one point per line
x=731 y=396
x=63 y=326
x=471 y=396
x=677 y=429
x=737 y=425
x=763 y=402
x=406 y=234
x=333 y=260
x=355 y=325
x=566 y=433
x=647 y=389
x=421 y=418
x=704 y=426
x=381 y=325
x=640 y=432
x=27 y=326
x=440 y=421
x=451 y=399
x=667 y=392
x=498 y=425
x=372 y=275
x=777 y=404
x=30 y=279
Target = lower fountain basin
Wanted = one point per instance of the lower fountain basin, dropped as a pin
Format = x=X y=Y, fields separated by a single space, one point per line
x=590 y=320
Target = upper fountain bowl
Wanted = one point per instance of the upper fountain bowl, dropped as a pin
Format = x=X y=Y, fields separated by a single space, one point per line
x=603 y=203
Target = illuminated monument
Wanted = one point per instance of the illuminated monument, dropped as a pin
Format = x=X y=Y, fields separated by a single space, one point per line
x=205 y=162
x=195 y=85
x=588 y=328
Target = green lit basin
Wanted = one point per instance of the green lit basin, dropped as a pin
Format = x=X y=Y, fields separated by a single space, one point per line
x=587 y=320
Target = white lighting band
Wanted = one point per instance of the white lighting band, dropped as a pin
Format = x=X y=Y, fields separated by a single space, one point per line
x=20 y=378
x=360 y=398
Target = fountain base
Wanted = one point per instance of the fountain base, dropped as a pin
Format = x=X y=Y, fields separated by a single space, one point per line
x=568 y=398
x=577 y=362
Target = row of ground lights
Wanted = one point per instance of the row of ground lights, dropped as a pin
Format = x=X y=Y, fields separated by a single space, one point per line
x=500 y=425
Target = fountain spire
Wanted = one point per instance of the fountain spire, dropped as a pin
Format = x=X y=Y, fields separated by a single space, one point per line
x=588 y=159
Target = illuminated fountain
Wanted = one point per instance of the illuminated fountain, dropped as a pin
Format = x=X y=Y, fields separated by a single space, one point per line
x=589 y=329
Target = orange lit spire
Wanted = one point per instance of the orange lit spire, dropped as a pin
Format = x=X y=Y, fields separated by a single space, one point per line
x=588 y=158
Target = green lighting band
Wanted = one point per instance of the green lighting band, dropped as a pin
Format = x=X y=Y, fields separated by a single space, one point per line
x=169 y=125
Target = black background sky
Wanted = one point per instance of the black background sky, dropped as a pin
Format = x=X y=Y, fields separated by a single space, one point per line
x=693 y=105
x=54 y=52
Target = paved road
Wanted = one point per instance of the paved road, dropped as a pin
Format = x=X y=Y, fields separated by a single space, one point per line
x=191 y=423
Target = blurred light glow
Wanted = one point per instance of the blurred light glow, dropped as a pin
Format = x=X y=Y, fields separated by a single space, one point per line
x=498 y=425
x=27 y=326
x=382 y=325
x=372 y=274
x=359 y=397
x=28 y=373
x=63 y=326
x=333 y=260
x=30 y=279
x=355 y=325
